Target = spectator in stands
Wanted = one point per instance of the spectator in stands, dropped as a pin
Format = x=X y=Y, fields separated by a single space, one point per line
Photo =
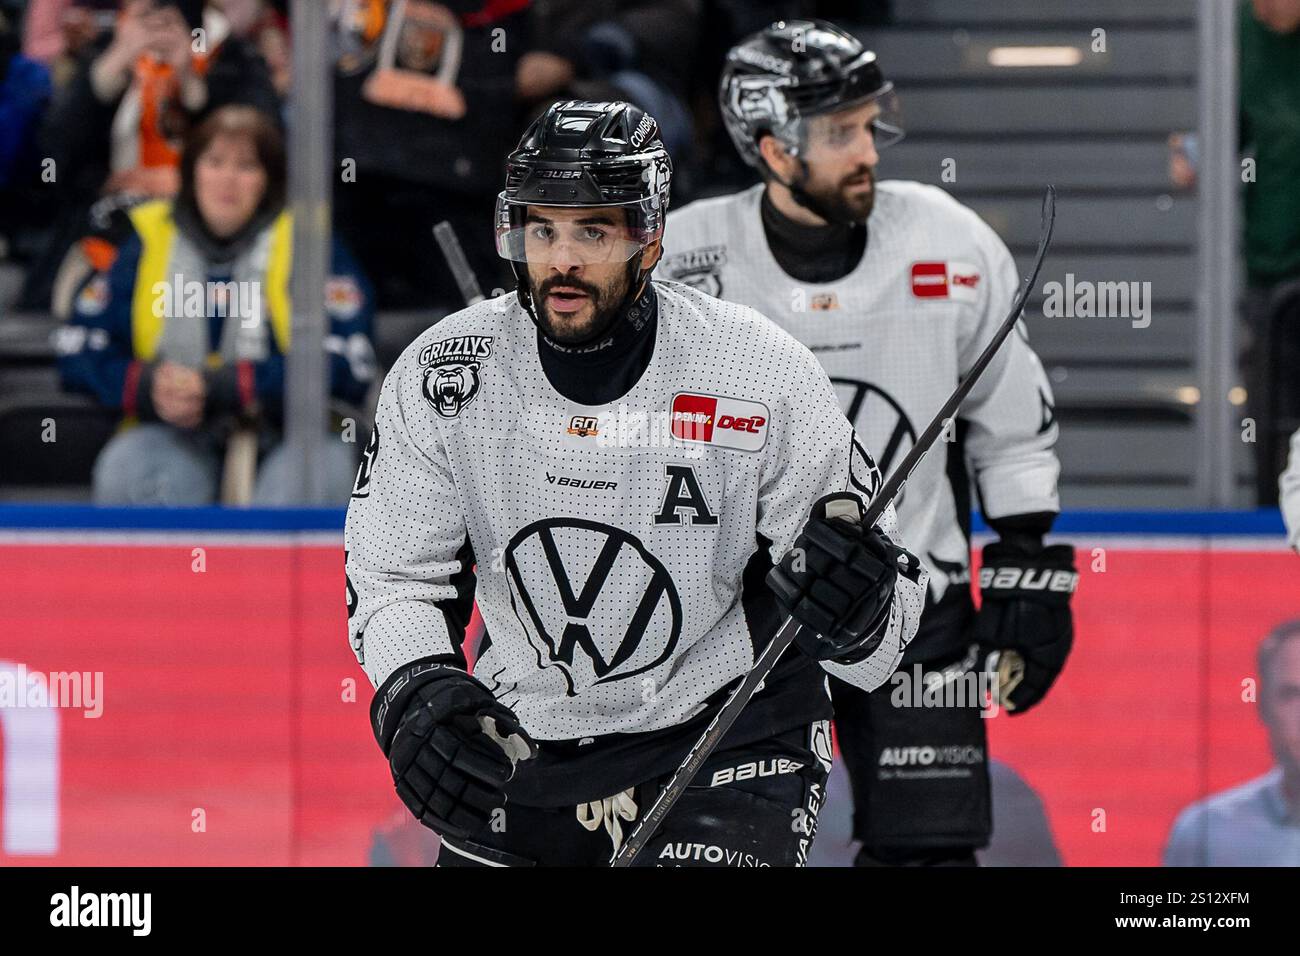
x=1269 y=118
x=57 y=31
x=1289 y=494
x=1258 y=822
x=43 y=30
x=24 y=93
x=259 y=24
x=116 y=130
x=187 y=333
x=636 y=50
x=24 y=96
x=409 y=165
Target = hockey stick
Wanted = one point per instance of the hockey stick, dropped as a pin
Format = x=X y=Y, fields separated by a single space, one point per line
x=729 y=711
x=456 y=261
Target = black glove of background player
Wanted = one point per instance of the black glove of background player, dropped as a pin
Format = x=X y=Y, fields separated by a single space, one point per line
x=1025 y=590
x=838 y=582
x=450 y=746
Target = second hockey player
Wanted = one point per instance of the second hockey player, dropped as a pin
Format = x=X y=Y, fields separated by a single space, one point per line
x=896 y=288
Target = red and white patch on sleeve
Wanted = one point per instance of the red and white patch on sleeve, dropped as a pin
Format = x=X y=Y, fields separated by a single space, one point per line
x=957 y=281
x=715 y=420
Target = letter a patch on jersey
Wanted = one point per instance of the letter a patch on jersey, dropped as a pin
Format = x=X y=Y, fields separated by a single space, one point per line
x=684 y=492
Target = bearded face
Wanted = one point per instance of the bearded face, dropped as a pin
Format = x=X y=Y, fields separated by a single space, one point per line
x=840 y=162
x=578 y=270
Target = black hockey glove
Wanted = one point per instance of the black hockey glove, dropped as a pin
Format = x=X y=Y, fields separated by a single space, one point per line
x=451 y=747
x=1025 y=627
x=838 y=582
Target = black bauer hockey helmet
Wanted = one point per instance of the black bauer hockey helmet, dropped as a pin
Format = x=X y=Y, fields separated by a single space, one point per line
x=796 y=69
x=585 y=154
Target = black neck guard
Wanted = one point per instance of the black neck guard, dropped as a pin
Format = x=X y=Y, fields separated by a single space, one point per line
x=813 y=253
x=599 y=372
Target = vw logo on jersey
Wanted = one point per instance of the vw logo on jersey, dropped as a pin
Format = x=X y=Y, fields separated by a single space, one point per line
x=875 y=413
x=593 y=600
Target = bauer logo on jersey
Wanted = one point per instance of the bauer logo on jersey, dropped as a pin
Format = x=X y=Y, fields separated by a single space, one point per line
x=958 y=281
x=715 y=420
x=451 y=378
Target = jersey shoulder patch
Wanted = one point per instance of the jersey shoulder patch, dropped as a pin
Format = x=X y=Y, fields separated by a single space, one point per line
x=451 y=357
x=700 y=238
x=700 y=268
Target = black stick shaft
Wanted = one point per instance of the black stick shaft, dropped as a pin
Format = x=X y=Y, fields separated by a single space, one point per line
x=466 y=281
x=708 y=742
x=727 y=714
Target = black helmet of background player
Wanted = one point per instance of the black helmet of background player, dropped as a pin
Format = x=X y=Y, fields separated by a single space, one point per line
x=585 y=155
x=779 y=78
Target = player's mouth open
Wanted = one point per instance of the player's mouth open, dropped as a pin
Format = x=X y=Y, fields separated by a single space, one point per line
x=564 y=299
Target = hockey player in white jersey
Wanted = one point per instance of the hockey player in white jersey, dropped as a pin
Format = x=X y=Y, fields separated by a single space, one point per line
x=896 y=288
x=625 y=460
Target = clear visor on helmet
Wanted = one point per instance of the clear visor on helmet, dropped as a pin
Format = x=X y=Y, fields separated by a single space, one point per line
x=575 y=235
x=843 y=130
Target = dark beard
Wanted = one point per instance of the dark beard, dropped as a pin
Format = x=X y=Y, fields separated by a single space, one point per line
x=833 y=204
x=604 y=313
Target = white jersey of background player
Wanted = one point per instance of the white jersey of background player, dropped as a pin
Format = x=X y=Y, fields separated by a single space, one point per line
x=896 y=288
x=625 y=460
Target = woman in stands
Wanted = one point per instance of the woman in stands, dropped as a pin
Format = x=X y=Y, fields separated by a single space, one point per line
x=187 y=333
x=113 y=135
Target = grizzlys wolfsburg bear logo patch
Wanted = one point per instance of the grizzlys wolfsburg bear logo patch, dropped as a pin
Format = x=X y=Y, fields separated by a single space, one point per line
x=451 y=377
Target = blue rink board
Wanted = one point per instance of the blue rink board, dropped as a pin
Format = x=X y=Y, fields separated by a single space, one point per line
x=1264 y=522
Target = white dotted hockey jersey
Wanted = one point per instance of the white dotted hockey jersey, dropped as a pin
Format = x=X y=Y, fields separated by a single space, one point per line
x=620 y=548
x=895 y=336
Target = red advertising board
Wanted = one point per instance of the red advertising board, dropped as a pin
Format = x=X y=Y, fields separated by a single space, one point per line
x=234 y=729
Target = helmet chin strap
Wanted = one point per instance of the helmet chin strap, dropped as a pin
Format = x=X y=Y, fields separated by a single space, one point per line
x=637 y=278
